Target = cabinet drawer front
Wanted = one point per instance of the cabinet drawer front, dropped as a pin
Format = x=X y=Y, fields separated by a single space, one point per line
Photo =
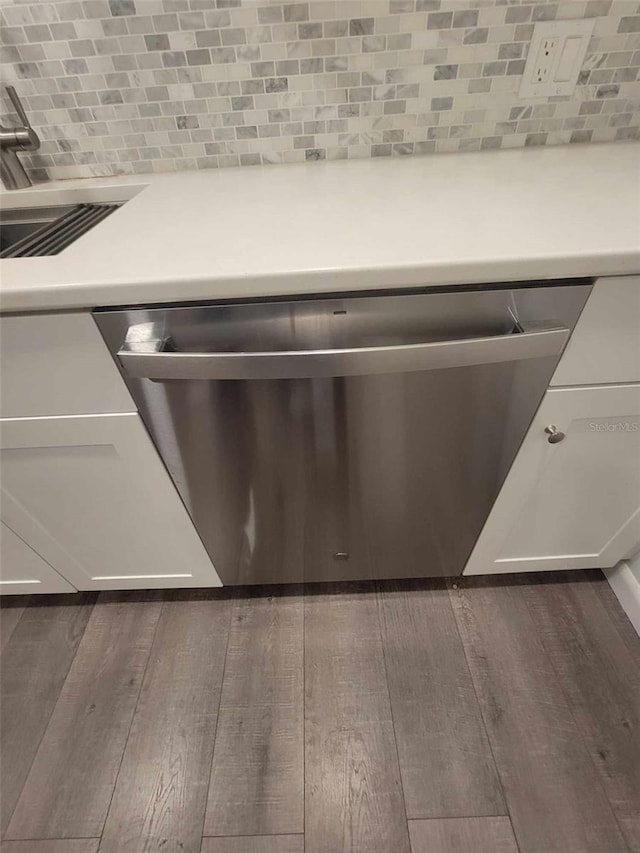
x=605 y=345
x=57 y=364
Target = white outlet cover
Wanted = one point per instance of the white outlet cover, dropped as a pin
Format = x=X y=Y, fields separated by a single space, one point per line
x=571 y=40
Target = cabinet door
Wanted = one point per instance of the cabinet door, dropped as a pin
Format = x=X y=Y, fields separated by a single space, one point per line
x=23 y=571
x=91 y=495
x=574 y=504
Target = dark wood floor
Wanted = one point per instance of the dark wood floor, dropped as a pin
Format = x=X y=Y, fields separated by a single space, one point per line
x=490 y=716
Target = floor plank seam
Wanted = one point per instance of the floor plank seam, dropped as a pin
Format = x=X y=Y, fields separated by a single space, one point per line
x=53 y=708
x=393 y=722
x=304 y=719
x=133 y=716
x=8 y=639
x=231 y=608
x=563 y=693
x=450 y=593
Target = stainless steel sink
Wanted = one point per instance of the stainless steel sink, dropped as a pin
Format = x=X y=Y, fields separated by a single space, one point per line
x=17 y=224
x=38 y=231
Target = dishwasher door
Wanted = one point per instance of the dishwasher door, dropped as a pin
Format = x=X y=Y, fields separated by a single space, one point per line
x=343 y=437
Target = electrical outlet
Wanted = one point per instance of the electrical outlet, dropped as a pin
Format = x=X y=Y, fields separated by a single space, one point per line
x=546 y=58
x=556 y=54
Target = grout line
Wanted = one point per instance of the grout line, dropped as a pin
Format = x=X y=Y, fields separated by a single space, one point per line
x=479 y=704
x=135 y=708
x=46 y=728
x=568 y=703
x=231 y=607
x=393 y=722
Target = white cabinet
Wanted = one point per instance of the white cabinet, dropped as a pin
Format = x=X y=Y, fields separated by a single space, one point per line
x=24 y=571
x=576 y=503
x=91 y=496
x=605 y=345
x=57 y=364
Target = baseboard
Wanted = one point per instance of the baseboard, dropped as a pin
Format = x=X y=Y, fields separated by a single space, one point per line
x=625 y=582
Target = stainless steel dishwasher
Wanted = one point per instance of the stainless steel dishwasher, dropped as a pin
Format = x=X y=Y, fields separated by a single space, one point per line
x=343 y=437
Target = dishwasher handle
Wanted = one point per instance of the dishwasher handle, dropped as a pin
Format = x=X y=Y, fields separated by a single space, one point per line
x=362 y=361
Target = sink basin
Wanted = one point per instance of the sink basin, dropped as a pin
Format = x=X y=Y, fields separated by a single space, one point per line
x=38 y=231
x=15 y=225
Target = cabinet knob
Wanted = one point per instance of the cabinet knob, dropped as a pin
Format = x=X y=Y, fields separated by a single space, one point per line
x=554 y=435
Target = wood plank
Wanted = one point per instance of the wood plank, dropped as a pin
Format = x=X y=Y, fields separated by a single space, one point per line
x=68 y=790
x=618 y=617
x=551 y=787
x=353 y=792
x=68 y=845
x=255 y=844
x=600 y=679
x=161 y=792
x=630 y=827
x=35 y=663
x=445 y=758
x=463 y=835
x=257 y=774
x=10 y=613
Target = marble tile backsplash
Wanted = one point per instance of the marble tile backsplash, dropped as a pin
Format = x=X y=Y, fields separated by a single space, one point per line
x=135 y=86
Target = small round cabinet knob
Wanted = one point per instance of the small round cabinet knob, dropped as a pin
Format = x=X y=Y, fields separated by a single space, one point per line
x=554 y=435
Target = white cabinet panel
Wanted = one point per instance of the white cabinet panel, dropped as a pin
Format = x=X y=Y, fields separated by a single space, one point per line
x=92 y=496
x=605 y=346
x=57 y=364
x=24 y=571
x=574 y=504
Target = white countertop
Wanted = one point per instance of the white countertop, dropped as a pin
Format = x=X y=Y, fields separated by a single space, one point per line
x=336 y=226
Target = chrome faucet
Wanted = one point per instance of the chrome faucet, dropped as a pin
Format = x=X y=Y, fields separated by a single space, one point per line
x=12 y=140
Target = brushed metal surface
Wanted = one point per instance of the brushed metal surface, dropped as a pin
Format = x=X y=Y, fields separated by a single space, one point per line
x=12 y=140
x=355 y=476
x=361 y=361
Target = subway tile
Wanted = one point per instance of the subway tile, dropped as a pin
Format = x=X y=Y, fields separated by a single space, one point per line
x=296 y=12
x=122 y=7
x=476 y=36
x=216 y=79
x=518 y=14
x=445 y=72
x=544 y=12
x=157 y=42
x=201 y=56
x=310 y=30
x=361 y=26
x=439 y=20
x=465 y=18
x=515 y=66
x=208 y=38
x=510 y=50
x=627 y=25
x=276 y=84
x=174 y=58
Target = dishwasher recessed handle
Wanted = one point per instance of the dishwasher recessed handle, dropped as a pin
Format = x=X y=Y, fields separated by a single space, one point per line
x=362 y=361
